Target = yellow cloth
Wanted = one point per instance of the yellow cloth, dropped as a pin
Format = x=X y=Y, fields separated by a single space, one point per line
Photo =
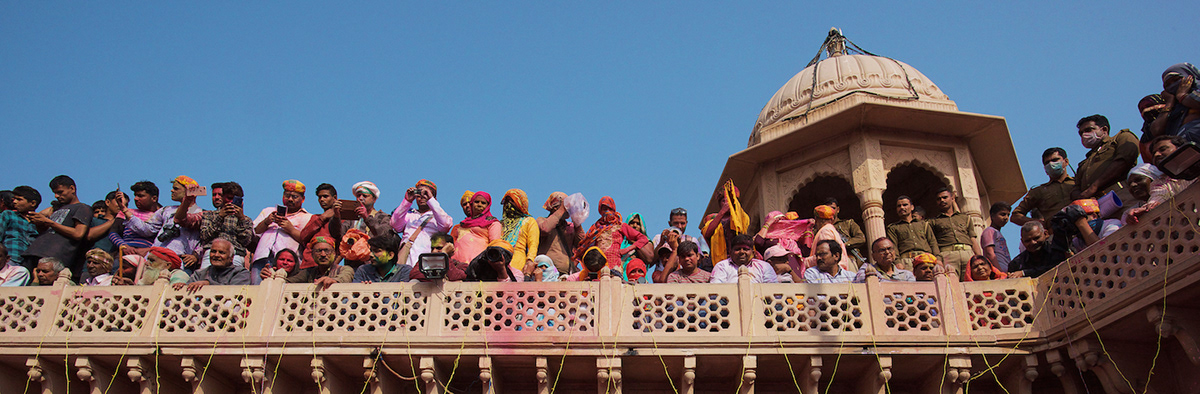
x=738 y=219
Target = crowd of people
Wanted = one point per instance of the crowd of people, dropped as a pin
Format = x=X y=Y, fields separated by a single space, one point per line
x=352 y=241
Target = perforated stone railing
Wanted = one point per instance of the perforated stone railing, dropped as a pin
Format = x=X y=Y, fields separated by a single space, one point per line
x=275 y=313
x=1135 y=262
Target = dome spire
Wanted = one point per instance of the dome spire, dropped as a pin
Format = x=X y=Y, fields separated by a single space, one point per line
x=835 y=43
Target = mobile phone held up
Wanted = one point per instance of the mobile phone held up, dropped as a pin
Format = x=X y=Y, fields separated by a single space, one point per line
x=236 y=200
x=281 y=210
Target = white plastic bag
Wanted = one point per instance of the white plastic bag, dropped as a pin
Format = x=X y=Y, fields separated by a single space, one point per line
x=577 y=207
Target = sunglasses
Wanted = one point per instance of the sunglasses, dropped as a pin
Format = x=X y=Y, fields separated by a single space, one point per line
x=679 y=211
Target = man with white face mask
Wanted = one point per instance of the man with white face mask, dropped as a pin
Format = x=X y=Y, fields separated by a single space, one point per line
x=1107 y=161
x=1050 y=197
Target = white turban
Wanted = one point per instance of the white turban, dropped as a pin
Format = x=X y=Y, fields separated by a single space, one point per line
x=365 y=186
x=1146 y=170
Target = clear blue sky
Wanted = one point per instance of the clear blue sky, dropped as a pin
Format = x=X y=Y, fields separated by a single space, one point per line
x=643 y=101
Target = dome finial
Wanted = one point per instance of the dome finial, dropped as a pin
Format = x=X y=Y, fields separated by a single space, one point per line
x=835 y=43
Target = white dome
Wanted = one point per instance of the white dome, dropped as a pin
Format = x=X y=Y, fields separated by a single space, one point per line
x=842 y=75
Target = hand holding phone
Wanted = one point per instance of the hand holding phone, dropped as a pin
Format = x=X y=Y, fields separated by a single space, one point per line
x=281 y=210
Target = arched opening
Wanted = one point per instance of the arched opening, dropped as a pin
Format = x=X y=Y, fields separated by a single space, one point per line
x=822 y=187
x=914 y=181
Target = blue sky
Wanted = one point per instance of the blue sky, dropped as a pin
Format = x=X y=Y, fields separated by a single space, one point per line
x=643 y=101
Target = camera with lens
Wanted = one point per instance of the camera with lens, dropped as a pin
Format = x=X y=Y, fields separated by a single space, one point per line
x=168 y=233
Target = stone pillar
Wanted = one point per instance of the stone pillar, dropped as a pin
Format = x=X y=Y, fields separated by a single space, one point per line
x=968 y=188
x=869 y=181
x=687 y=384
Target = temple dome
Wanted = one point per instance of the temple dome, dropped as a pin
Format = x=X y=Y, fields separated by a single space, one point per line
x=843 y=75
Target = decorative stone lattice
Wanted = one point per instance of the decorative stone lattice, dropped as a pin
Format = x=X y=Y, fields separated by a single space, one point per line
x=520 y=310
x=817 y=312
x=345 y=311
x=20 y=313
x=102 y=313
x=1134 y=253
x=682 y=313
x=999 y=308
x=204 y=313
x=911 y=312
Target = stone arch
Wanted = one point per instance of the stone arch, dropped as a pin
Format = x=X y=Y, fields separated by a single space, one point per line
x=813 y=192
x=918 y=181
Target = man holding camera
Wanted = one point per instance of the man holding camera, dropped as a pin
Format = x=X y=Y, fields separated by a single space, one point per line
x=666 y=242
x=279 y=227
x=227 y=222
x=167 y=233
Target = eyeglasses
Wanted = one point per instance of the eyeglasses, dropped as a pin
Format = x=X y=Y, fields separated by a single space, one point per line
x=678 y=211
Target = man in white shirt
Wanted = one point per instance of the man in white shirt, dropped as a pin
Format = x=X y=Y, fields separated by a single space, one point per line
x=279 y=230
x=828 y=252
x=741 y=253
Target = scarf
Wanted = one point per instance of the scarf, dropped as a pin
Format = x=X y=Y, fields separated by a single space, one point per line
x=555 y=198
x=613 y=218
x=738 y=220
x=481 y=219
x=625 y=243
x=516 y=209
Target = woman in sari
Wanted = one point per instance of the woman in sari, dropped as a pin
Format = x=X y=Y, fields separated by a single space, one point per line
x=608 y=234
x=473 y=234
x=520 y=230
x=642 y=254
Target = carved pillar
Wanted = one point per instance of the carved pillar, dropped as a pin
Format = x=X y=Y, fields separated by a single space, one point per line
x=1022 y=378
x=1089 y=357
x=869 y=181
x=98 y=377
x=429 y=375
x=608 y=375
x=543 y=375
x=48 y=375
x=811 y=375
x=876 y=384
x=488 y=377
x=687 y=384
x=968 y=188
x=265 y=377
x=328 y=381
x=379 y=379
x=1180 y=326
x=872 y=208
x=140 y=371
x=1058 y=368
x=749 y=374
x=768 y=189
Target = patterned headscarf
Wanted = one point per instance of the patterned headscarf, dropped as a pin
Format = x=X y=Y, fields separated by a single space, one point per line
x=556 y=196
x=168 y=255
x=466 y=197
x=185 y=181
x=365 y=187
x=549 y=271
x=320 y=239
x=430 y=185
x=515 y=211
x=102 y=256
x=292 y=185
x=483 y=219
x=599 y=227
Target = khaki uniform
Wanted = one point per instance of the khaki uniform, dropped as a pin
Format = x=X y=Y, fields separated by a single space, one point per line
x=911 y=239
x=1047 y=199
x=1123 y=146
x=855 y=239
x=955 y=237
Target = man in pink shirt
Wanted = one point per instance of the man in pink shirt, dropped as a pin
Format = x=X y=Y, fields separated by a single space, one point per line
x=279 y=229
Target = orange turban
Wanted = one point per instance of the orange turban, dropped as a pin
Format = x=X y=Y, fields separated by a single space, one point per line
x=185 y=180
x=823 y=212
x=466 y=197
x=430 y=185
x=292 y=185
x=925 y=258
